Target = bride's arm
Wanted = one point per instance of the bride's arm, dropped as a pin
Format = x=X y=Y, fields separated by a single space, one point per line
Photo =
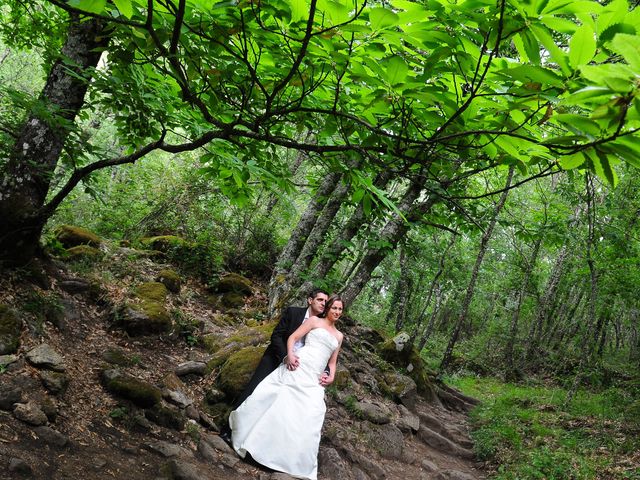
x=327 y=379
x=292 y=359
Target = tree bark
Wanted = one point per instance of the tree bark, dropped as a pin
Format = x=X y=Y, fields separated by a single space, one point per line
x=278 y=286
x=26 y=178
x=484 y=242
x=510 y=366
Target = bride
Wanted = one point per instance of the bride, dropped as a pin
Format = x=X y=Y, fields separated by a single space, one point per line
x=280 y=423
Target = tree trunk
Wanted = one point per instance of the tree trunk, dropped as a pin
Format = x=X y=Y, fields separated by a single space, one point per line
x=510 y=366
x=26 y=178
x=389 y=236
x=278 y=285
x=484 y=242
x=336 y=248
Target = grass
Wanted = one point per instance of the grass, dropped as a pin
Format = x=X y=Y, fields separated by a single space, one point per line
x=526 y=432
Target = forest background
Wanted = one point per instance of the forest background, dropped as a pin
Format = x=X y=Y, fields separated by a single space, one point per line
x=463 y=172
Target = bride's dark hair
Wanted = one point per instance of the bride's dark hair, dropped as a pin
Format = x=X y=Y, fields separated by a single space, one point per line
x=327 y=306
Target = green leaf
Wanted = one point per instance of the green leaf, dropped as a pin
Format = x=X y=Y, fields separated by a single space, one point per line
x=299 y=10
x=381 y=18
x=572 y=161
x=124 y=7
x=557 y=54
x=582 y=47
x=578 y=124
x=587 y=93
x=629 y=47
x=93 y=6
x=602 y=167
x=626 y=149
x=397 y=70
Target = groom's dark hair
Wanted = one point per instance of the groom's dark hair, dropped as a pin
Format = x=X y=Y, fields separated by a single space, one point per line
x=314 y=293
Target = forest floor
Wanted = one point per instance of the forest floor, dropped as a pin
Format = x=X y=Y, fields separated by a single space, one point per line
x=88 y=433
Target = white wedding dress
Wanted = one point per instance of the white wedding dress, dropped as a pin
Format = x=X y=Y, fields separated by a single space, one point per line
x=280 y=423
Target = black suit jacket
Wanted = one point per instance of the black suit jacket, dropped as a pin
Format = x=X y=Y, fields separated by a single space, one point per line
x=290 y=320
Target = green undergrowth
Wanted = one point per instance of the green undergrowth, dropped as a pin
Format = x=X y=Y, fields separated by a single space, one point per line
x=527 y=431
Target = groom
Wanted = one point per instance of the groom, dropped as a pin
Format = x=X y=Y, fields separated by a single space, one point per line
x=275 y=353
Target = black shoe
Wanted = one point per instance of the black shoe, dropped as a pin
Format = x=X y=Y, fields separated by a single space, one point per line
x=225 y=435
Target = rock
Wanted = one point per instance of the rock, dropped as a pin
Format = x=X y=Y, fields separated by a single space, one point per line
x=454 y=475
x=168 y=450
x=9 y=394
x=151 y=291
x=216 y=442
x=166 y=416
x=116 y=356
x=386 y=439
x=400 y=388
x=44 y=356
x=177 y=398
x=71 y=236
x=372 y=469
x=378 y=414
x=144 y=318
x=232 y=282
x=429 y=466
x=139 y=392
x=83 y=252
x=10 y=329
x=7 y=360
x=208 y=422
x=55 y=382
x=170 y=279
x=238 y=369
x=191 y=368
x=192 y=412
x=408 y=421
x=19 y=467
x=74 y=285
x=443 y=444
x=207 y=451
x=183 y=470
x=30 y=413
x=331 y=465
x=229 y=459
x=342 y=377
x=171 y=382
x=164 y=243
x=51 y=437
x=214 y=395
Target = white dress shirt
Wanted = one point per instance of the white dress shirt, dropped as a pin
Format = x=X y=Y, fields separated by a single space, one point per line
x=300 y=342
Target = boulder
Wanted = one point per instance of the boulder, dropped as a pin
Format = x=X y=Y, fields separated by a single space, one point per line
x=151 y=291
x=164 y=243
x=30 y=413
x=44 y=356
x=238 y=369
x=170 y=279
x=55 y=382
x=10 y=329
x=232 y=282
x=137 y=391
x=144 y=318
x=72 y=236
x=83 y=252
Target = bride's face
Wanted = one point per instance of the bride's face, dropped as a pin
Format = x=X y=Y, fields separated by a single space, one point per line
x=335 y=311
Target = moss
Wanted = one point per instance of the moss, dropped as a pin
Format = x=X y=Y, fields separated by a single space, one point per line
x=170 y=279
x=115 y=356
x=234 y=283
x=223 y=348
x=232 y=300
x=163 y=243
x=166 y=416
x=10 y=329
x=72 y=236
x=238 y=369
x=83 y=252
x=143 y=318
x=151 y=291
x=218 y=411
x=140 y=393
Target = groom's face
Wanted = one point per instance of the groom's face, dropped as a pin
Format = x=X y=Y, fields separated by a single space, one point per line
x=316 y=304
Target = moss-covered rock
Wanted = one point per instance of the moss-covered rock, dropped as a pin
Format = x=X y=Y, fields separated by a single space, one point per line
x=151 y=291
x=223 y=348
x=116 y=356
x=144 y=318
x=342 y=378
x=170 y=279
x=10 y=328
x=234 y=283
x=72 y=236
x=166 y=416
x=219 y=412
x=399 y=351
x=164 y=243
x=238 y=369
x=83 y=252
x=130 y=388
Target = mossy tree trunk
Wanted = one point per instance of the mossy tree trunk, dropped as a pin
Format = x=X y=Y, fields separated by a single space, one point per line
x=26 y=177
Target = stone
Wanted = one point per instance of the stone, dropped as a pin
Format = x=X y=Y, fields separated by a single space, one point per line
x=44 y=356
x=378 y=414
x=83 y=252
x=30 y=413
x=10 y=329
x=215 y=442
x=139 y=392
x=166 y=416
x=55 y=382
x=191 y=368
x=184 y=470
x=454 y=475
x=177 y=398
x=386 y=439
x=71 y=236
x=116 y=356
x=429 y=466
x=232 y=282
x=407 y=421
x=51 y=437
x=437 y=441
x=170 y=279
x=19 y=467
x=168 y=450
x=7 y=360
x=75 y=285
x=400 y=388
x=238 y=369
x=229 y=459
x=331 y=465
x=371 y=468
x=9 y=394
x=151 y=291
x=207 y=451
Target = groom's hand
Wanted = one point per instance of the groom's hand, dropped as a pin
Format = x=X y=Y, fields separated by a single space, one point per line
x=325 y=379
x=292 y=362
